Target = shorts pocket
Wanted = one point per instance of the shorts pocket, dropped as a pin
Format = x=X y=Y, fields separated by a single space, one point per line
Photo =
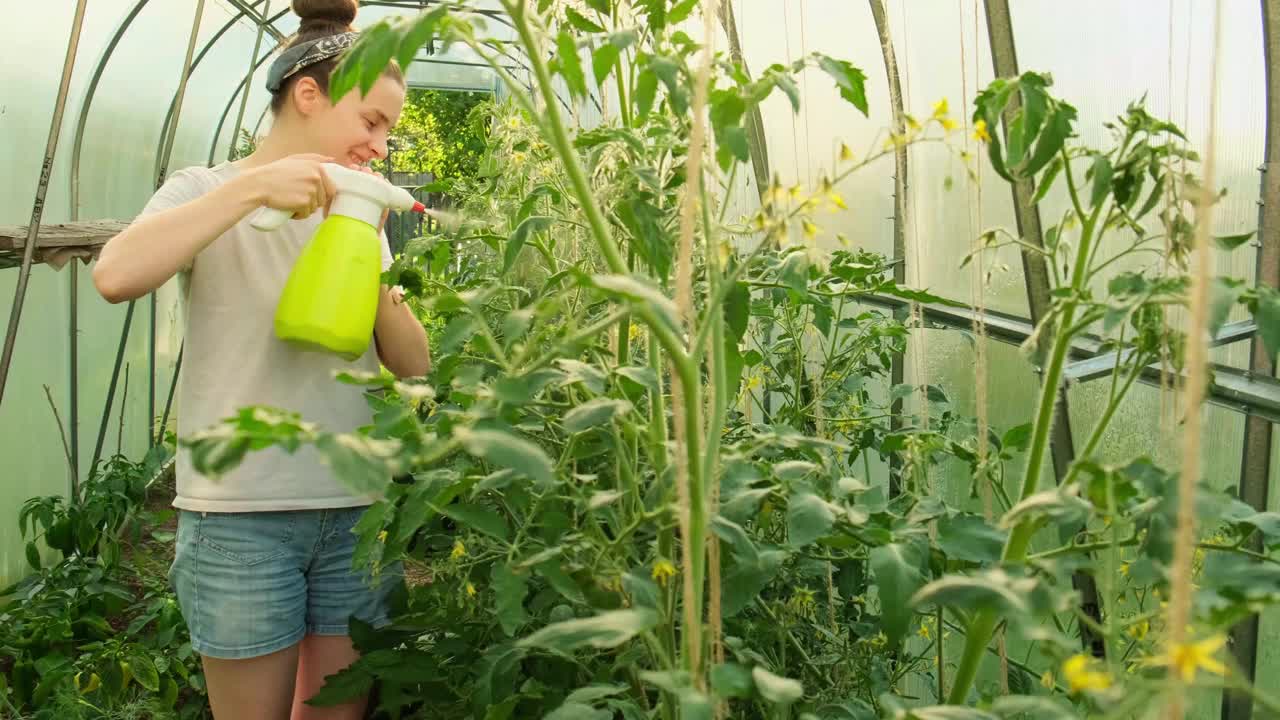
x=249 y=538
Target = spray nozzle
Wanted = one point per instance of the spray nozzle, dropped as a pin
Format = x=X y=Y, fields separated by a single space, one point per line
x=360 y=195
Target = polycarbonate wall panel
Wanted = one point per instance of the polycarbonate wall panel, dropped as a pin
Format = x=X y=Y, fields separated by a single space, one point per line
x=1163 y=50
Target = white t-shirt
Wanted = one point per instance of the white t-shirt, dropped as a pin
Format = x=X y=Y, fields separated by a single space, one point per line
x=233 y=359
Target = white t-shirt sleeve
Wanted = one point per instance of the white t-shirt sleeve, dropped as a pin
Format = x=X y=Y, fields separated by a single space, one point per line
x=178 y=189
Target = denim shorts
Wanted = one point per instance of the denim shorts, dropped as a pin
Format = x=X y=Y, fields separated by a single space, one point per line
x=252 y=583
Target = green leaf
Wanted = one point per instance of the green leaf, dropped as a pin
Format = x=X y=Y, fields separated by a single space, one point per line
x=33 y=555
x=604 y=631
x=743 y=547
x=577 y=711
x=1032 y=707
x=580 y=21
x=986 y=590
x=743 y=505
x=731 y=680
x=455 y=334
x=363 y=64
x=1101 y=180
x=775 y=689
x=594 y=413
x=510 y=451
x=144 y=671
x=1059 y=504
x=509 y=590
x=809 y=517
x=646 y=91
x=645 y=222
x=592 y=693
x=479 y=518
x=790 y=470
x=680 y=11
x=896 y=568
x=643 y=376
x=850 y=80
x=968 y=538
x=362 y=462
x=1267 y=318
x=602 y=7
x=744 y=582
x=1046 y=181
x=561 y=582
x=668 y=71
x=504 y=710
x=640 y=292
x=570 y=65
x=1224 y=294
x=732 y=144
x=737 y=308
x=643 y=590
x=1052 y=138
x=603 y=60
x=418 y=32
x=1017 y=438
x=794 y=272
x=343 y=687
x=1231 y=242
x=536 y=223
x=949 y=712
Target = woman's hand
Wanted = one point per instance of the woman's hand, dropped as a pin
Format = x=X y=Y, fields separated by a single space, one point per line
x=296 y=183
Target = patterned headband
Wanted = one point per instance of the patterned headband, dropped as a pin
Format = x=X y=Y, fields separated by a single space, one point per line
x=304 y=54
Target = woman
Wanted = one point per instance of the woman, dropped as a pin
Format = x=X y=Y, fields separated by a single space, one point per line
x=262 y=566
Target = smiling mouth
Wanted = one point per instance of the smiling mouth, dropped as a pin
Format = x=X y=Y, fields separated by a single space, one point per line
x=355 y=159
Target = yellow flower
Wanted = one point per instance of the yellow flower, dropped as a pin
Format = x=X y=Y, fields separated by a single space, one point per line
x=980 y=131
x=663 y=571
x=940 y=108
x=382 y=536
x=1124 y=569
x=471 y=590
x=947 y=124
x=912 y=123
x=754 y=382
x=1187 y=658
x=513 y=122
x=845 y=153
x=459 y=551
x=1078 y=672
x=810 y=230
x=1047 y=678
x=794 y=192
x=1137 y=631
x=924 y=632
x=836 y=200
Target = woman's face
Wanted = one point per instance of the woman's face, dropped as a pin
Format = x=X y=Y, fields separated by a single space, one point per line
x=354 y=131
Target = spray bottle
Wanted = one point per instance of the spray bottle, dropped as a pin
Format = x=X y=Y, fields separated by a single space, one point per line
x=331 y=297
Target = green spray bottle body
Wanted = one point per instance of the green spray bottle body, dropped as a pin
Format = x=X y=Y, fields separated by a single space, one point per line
x=331 y=298
x=330 y=301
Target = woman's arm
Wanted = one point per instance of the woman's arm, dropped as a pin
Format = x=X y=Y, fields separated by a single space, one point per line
x=156 y=246
x=400 y=339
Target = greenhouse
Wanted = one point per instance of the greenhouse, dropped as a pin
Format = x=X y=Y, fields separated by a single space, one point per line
x=753 y=359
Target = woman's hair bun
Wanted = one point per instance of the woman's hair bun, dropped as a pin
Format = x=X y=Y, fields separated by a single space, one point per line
x=324 y=17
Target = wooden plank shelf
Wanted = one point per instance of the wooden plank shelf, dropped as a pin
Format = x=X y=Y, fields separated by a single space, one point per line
x=58 y=243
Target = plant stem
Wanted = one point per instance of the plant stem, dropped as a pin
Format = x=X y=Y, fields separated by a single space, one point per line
x=1015 y=549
